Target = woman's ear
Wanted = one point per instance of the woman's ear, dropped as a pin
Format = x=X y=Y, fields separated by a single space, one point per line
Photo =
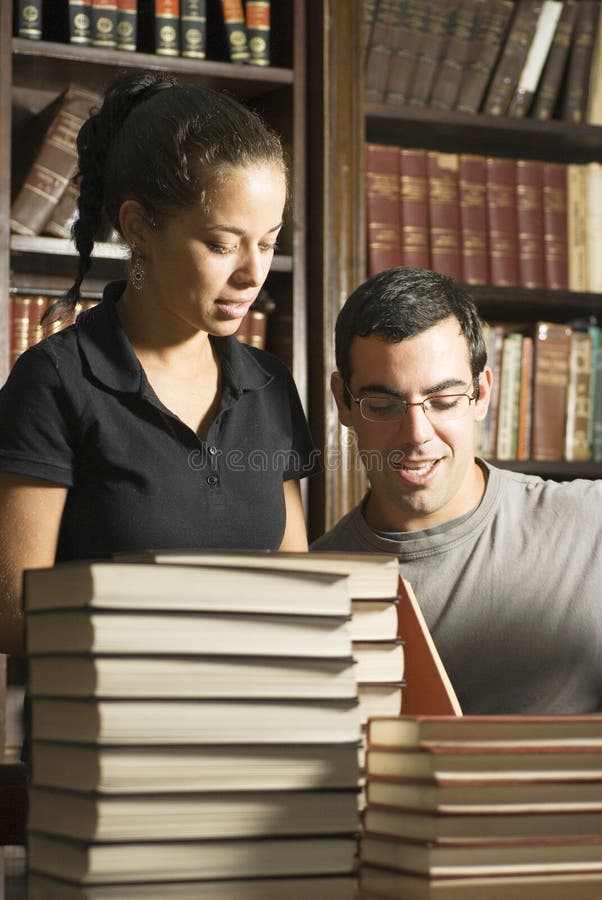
x=337 y=386
x=134 y=224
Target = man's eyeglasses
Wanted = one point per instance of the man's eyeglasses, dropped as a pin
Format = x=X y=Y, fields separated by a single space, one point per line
x=437 y=408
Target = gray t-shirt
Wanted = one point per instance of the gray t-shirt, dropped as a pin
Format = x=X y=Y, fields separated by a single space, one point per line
x=511 y=592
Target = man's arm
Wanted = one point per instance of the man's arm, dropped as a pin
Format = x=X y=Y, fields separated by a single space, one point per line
x=30 y=518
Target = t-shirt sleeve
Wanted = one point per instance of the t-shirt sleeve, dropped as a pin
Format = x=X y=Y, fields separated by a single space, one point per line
x=37 y=433
x=304 y=458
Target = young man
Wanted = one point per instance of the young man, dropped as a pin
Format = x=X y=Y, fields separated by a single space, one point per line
x=507 y=567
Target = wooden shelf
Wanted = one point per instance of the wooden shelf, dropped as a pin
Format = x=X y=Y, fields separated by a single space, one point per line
x=490 y=135
x=530 y=305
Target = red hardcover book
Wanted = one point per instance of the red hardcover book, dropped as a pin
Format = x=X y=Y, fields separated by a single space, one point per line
x=167 y=27
x=555 y=248
x=415 y=237
x=501 y=217
x=529 y=217
x=382 y=207
x=473 y=218
x=54 y=166
x=444 y=213
x=257 y=16
x=552 y=344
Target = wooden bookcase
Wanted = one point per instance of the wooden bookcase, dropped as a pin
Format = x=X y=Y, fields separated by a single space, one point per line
x=338 y=220
x=34 y=73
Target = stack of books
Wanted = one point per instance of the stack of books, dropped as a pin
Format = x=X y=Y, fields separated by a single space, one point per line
x=194 y=732
x=488 y=807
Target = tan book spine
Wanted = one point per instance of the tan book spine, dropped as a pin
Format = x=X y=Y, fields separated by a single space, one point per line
x=593 y=226
x=525 y=404
x=552 y=344
x=578 y=410
x=507 y=432
x=577 y=205
x=54 y=165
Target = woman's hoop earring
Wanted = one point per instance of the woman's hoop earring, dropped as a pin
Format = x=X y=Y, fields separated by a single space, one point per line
x=137 y=272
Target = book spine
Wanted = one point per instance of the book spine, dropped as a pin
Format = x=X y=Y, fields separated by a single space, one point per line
x=127 y=25
x=597 y=402
x=507 y=433
x=236 y=32
x=574 y=102
x=494 y=355
x=252 y=329
x=193 y=26
x=382 y=207
x=64 y=213
x=39 y=305
x=577 y=204
x=501 y=218
x=488 y=38
x=257 y=18
x=19 y=326
x=529 y=217
x=80 y=22
x=550 y=381
x=403 y=58
x=451 y=68
x=53 y=167
x=555 y=65
x=593 y=111
x=436 y=31
x=444 y=213
x=473 y=218
x=593 y=173
x=415 y=231
x=525 y=406
x=578 y=413
x=379 y=52
x=29 y=19
x=167 y=27
x=536 y=57
x=514 y=53
x=555 y=247
x=103 y=24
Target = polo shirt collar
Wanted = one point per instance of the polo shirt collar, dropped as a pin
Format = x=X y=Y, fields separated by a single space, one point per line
x=112 y=361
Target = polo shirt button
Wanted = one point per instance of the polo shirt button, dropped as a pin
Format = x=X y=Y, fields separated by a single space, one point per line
x=212 y=450
x=212 y=480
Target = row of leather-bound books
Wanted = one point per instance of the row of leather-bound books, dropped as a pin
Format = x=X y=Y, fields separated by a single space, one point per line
x=517 y=58
x=546 y=402
x=485 y=220
x=229 y=30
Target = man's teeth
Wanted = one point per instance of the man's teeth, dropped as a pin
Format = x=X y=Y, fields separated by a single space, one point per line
x=418 y=467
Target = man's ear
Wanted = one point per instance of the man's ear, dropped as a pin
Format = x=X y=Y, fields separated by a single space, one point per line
x=337 y=387
x=485 y=385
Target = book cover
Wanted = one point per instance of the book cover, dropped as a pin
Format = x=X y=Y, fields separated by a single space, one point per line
x=54 y=166
x=103 y=23
x=507 y=429
x=236 y=30
x=29 y=19
x=485 y=47
x=501 y=218
x=593 y=225
x=430 y=51
x=530 y=223
x=80 y=22
x=548 y=90
x=167 y=27
x=512 y=58
x=593 y=111
x=410 y=19
x=453 y=59
x=415 y=230
x=257 y=20
x=473 y=218
x=379 y=52
x=64 y=214
x=536 y=57
x=193 y=27
x=127 y=25
x=576 y=89
x=578 y=202
x=555 y=225
x=383 y=219
x=578 y=410
x=444 y=213
x=551 y=346
x=525 y=400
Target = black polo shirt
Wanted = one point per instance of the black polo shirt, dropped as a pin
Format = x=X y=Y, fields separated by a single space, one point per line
x=77 y=410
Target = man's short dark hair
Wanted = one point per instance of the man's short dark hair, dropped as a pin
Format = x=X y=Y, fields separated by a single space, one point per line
x=399 y=303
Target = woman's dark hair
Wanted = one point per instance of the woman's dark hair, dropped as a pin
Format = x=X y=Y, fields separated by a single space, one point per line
x=399 y=303
x=160 y=143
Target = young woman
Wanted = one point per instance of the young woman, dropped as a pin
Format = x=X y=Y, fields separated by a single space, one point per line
x=147 y=424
